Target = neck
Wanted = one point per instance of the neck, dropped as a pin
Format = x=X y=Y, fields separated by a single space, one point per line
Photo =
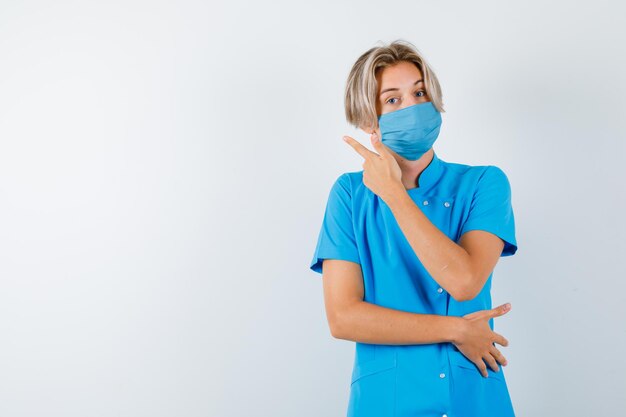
x=411 y=170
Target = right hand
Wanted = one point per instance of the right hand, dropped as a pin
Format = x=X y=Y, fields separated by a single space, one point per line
x=476 y=339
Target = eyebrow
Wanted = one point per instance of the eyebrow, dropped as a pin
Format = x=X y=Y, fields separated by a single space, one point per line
x=394 y=89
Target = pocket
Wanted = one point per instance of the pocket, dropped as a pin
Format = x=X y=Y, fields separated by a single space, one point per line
x=373 y=387
x=460 y=360
x=373 y=367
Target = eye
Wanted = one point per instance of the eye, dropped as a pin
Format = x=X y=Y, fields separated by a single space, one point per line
x=422 y=91
x=389 y=101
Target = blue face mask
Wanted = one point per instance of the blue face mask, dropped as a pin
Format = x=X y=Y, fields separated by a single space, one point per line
x=410 y=132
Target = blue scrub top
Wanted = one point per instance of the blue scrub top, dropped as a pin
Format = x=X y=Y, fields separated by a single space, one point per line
x=422 y=379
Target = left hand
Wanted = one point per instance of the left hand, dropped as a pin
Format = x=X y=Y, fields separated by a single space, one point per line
x=381 y=172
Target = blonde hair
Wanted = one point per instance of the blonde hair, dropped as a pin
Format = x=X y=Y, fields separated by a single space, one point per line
x=362 y=88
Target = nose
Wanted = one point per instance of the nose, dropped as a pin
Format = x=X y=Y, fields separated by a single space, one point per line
x=412 y=100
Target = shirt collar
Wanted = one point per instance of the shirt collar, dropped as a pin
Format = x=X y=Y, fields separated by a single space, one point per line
x=429 y=176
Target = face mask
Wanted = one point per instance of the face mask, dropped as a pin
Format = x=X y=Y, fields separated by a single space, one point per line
x=410 y=132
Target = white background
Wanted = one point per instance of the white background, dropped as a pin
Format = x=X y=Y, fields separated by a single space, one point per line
x=164 y=168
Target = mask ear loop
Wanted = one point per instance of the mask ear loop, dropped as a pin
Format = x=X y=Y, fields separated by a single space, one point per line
x=376 y=134
x=376 y=131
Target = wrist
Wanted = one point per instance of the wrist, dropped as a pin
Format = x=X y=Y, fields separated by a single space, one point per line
x=457 y=328
x=396 y=196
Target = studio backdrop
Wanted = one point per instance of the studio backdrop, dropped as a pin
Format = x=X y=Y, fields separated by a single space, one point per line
x=164 y=169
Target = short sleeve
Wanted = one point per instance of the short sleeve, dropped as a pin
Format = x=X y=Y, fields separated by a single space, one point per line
x=491 y=209
x=336 y=238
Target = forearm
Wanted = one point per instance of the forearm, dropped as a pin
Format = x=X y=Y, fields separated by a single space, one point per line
x=446 y=261
x=370 y=323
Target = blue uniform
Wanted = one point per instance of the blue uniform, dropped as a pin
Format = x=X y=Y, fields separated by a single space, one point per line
x=422 y=379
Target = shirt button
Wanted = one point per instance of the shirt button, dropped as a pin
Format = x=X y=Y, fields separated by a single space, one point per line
x=446 y=204
x=425 y=202
x=439 y=290
x=442 y=375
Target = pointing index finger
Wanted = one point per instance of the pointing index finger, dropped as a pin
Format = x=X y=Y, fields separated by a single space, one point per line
x=362 y=150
